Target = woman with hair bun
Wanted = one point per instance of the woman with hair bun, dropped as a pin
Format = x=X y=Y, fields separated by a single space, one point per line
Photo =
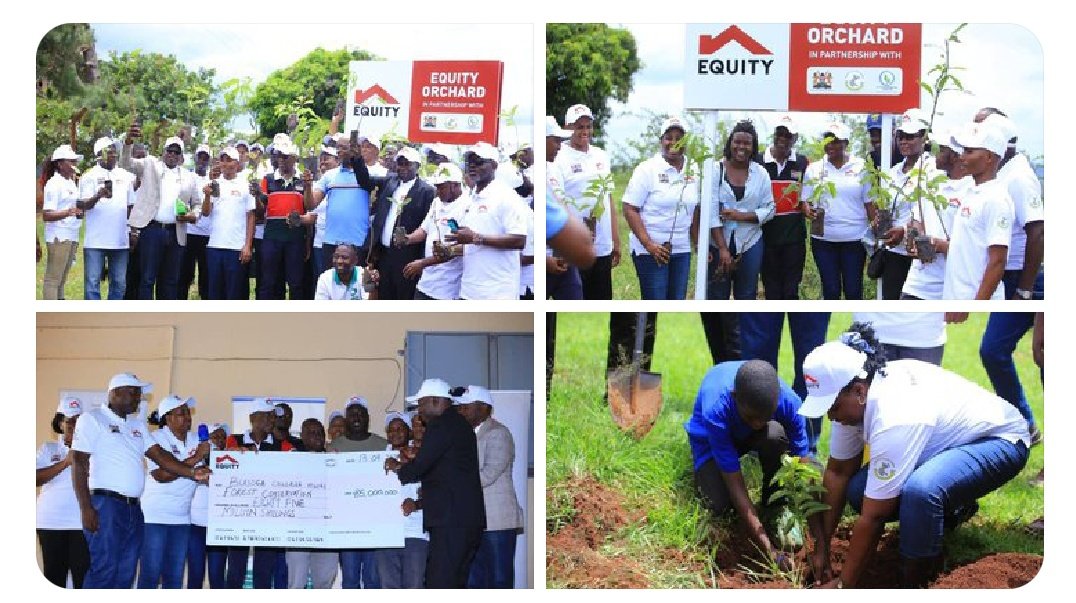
x=938 y=442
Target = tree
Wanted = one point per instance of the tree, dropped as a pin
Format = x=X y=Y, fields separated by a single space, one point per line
x=66 y=60
x=588 y=63
x=321 y=76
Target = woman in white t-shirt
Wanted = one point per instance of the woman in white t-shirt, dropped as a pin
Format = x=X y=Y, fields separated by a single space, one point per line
x=166 y=501
x=62 y=218
x=659 y=206
x=838 y=252
x=938 y=442
x=406 y=567
x=59 y=521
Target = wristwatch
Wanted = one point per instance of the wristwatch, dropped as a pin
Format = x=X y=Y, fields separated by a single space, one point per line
x=1023 y=294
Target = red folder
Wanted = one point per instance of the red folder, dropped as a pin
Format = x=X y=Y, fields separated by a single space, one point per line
x=787 y=203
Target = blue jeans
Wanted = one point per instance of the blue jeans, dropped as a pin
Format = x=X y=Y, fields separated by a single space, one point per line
x=662 y=282
x=227 y=276
x=160 y=256
x=406 y=567
x=196 y=556
x=494 y=562
x=216 y=563
x=116 y=545
x=358 y=568
x=1003 y=332
x=164 y=551
x=948 y=481
x=743 y=282
x=237 y=567
x=760 y=338
x=840 y=267
x=564 y=286
x=95 y=266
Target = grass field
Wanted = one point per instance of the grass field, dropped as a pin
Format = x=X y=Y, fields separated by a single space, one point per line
x=626 y=284
x=654 y=475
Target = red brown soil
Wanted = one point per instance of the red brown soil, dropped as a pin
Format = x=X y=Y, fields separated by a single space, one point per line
x=573 y=558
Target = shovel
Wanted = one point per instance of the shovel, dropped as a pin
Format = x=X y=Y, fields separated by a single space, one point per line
x=635 y=394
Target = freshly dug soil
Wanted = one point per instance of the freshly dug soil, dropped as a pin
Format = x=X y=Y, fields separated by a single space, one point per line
x=1000 y=570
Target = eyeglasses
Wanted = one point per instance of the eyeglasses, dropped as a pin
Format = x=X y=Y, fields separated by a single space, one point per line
x=172 y=151
x=906 y=136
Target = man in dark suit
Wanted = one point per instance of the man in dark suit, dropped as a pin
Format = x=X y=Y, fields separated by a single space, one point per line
x=403 y=201
x=453 y=510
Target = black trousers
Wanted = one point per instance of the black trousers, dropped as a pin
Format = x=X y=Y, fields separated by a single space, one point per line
x=63 y=551
x=194 y=258
x=782 y=270
x=393 y=284
x=598 y=279
x=770 y=443
x=622 y=339
x=894 y=274
x=722 y=335
x=452 y=549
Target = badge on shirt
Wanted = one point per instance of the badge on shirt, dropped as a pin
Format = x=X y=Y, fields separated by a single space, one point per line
x=113 y=429
x=1036 y=202
x=136 y=433
x=965 y=211
x=954 y=202
x=796 y=174
x=55 y=458
x=600 y=166
x=663 y=178
x=482 y=209
x=689 y=179
x=883 y=469
x=175 y=451
x=1003 y=222
x=577 y=168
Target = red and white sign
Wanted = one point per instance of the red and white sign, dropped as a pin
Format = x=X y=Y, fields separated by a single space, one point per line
x=854 y=68
x=454 y=102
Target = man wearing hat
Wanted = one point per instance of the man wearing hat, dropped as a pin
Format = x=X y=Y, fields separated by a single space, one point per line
x=452 y=503
x=167 y=201
x=982 y=229
x=194 y=256
x=346 y=191
x=402 y=202
x=371 y=153
x=562 y=279
x=107 y=456
x=440 y=272
x=494 y=562
x=231 y=239
x=106 y=237
x=493 y=231
x=285 y=240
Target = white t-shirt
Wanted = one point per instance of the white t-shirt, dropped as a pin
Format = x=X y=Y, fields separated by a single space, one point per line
x=490 y=273
x=204 y=225
x=906 y=329
x=443 y=280
x=526 y=271
x=666 y=201
x=57 y=507
x=319 y=225
x=394 y=210
x=915 y=412
x=169 y=503
x=230 y=215
x=577 y=170
x=117 y=447
x=905 y=184
x=61 y=194
x=171 y=190
x=846 y=215
x=330 y=287
x=200 y=505
x=1026 y=194
x=926 y=281
x=106 y=223
x=984 y=219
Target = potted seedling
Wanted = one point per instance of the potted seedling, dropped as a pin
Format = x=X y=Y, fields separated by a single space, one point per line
x=800 y=490
x=820 y=187
x=697 y=151
x=597 y=190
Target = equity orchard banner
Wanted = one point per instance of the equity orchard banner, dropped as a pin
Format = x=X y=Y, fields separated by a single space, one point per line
x=304 y=499
x=453 y=102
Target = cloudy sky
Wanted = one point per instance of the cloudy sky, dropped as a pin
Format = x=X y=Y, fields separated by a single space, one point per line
x=255 y=51
x=1004 y=69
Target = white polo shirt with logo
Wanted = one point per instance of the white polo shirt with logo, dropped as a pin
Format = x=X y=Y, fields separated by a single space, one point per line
x=984 y=219
x=490 y=273
x=170 y=502
x=230 y=215
x=106 y=223
x=443 y=280
x=1026 y=194
x=61 y=194
x=915 y=411
x=846 y=215
x=204 y=226
x=926 y=281
x=666 y=201
x=577 y=170
x=117 y=447
x=57 y=507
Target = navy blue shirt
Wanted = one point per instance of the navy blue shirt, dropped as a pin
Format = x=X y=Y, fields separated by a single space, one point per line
x=715 y=426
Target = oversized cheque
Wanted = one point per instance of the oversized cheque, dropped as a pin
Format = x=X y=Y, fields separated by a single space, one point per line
x=304 y=499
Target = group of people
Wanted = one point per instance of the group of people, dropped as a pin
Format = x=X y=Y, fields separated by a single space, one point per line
x=910 y=442
x=966 y=223
x=215 y=219
x=105 y=517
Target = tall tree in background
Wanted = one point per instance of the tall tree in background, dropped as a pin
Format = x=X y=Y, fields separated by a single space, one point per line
x=66 y=61
x=321 y=76
x=588 y=63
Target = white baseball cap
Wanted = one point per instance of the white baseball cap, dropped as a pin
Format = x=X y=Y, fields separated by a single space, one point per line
x=329 y=151
x=403 y=416
x=984 y=135
x=203 y=148
x=286 y=147
x=485 y=151
x=552 y=128
x=437 y=388
x=838 y=130
x=446 y=172
x=215 y=426
x=265 y=405
x=70 y=406
x=912 y=121
x=826 y=370
x=65 y=151
x=409 y=154
x=575 y=112
x=257 y=147
x=172 y=402
x=474 y=393
x=442 y=149
x=129 y=380
x=359 y=400
x=230 y=152
x=785 y=121
x=241 y=142
x=174 y=140
x=673 y=121
x=1003 y=124
x=102 y=143
x=334 y=414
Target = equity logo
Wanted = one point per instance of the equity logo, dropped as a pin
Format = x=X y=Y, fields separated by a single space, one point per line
x=383 y=104
x=731 y=64
x=711 y=44
x=811 y=382
x=226 y=461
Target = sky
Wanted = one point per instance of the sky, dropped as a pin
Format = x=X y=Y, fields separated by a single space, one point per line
x=1004 y=69
x=255 y=51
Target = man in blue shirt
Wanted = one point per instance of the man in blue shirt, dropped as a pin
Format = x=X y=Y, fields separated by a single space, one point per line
x=743 y=406
x=347 y=203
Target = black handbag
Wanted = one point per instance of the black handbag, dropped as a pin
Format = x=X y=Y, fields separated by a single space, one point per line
x=876 y=265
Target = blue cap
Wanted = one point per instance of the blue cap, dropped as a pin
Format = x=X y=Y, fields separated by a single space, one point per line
x=874 y=121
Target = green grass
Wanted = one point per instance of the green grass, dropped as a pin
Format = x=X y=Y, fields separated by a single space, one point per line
x=654 y=475
x=626 y=284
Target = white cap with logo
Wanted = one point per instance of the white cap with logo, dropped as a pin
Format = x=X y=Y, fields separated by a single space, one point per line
x=575 y=112
x=838 y=130
x=265 y=405
x=474 y=393
x=913 y=121
x=172 y=402
x=409 y=154
x=437 y=388
x=826 y=370
x=174 y=140
x=65 y=151
x=356 y=401
x=129 y=380
x=403 y=416
x=70 y=407
x=485 y=151
x=985 y=135
x=673 y=121
x=446 y=172
x=785 y=121
x=102 y=143
x=1004 y=125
